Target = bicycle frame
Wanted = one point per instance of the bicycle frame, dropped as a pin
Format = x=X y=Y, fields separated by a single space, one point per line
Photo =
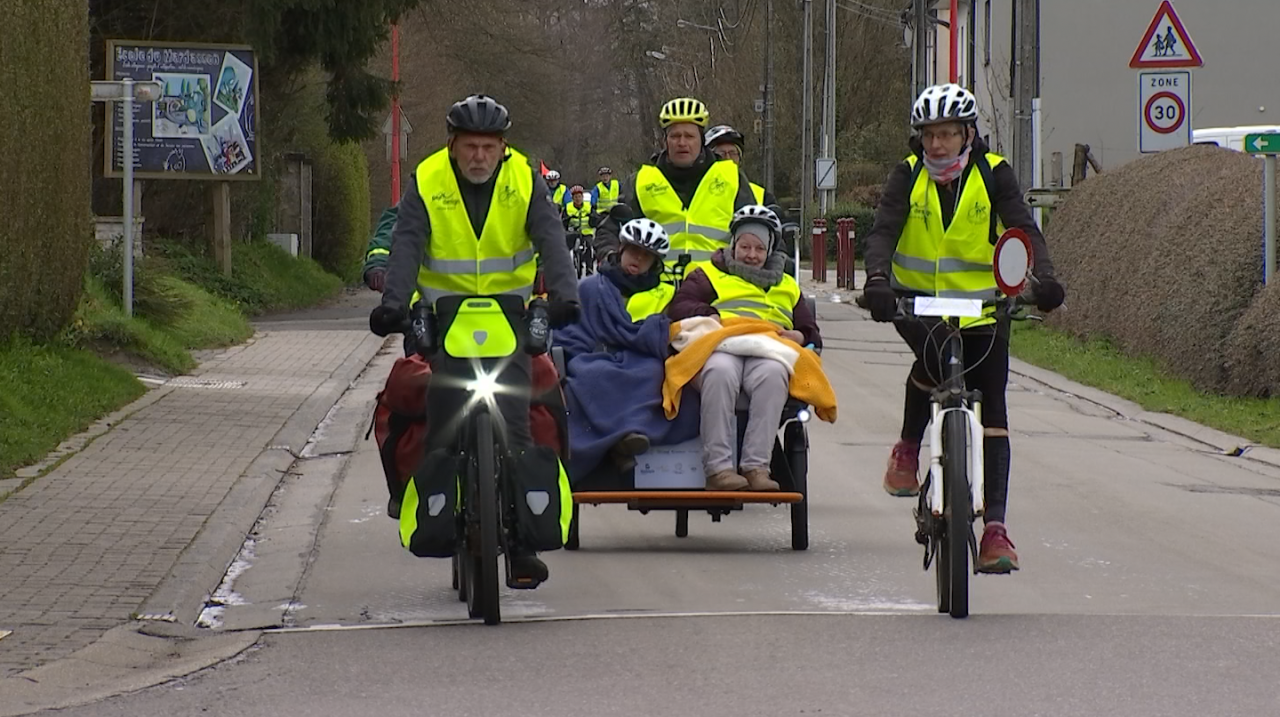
x=972 y=411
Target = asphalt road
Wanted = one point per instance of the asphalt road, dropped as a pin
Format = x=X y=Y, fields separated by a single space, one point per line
x=1148 y=588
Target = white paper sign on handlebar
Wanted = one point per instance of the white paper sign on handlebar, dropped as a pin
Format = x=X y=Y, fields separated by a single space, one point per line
x=935 y=306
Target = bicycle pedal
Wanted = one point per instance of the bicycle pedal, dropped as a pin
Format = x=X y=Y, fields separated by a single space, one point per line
x=523 y=583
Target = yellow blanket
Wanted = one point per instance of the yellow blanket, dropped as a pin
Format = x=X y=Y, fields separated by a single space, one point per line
x=808 y=382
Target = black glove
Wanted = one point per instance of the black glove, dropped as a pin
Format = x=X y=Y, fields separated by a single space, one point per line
x=880 y=298
x=376 y=278
x=385 y=320
x=562 y=313
x=621 y=213
x=1049 y=294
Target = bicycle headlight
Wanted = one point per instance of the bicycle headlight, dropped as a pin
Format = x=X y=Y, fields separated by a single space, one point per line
x=484 y=387
x=803 y=415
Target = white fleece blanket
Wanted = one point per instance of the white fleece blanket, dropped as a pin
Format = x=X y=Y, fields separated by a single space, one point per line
x=756 y=345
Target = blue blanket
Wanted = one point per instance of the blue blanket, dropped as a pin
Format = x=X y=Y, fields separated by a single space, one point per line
x=615 y=370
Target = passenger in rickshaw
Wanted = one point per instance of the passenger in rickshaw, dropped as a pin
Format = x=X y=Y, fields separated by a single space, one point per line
x=747 y=281
x=615 y=354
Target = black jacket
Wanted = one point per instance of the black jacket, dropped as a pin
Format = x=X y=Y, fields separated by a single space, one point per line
x=411 y=238
x=895 y=200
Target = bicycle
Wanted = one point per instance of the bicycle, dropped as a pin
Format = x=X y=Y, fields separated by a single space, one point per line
x=485 y=331
x=952 y=495
x=584 y=260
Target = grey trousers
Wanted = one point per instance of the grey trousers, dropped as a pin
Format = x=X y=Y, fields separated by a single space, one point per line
x=721 y=379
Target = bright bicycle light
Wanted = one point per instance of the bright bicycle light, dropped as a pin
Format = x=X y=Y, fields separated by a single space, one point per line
x=803 y=415
x=484 y=387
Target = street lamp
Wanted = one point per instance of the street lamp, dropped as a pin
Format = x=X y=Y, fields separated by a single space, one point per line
x=128 y=92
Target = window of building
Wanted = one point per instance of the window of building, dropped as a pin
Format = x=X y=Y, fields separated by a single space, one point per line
x=986 y=33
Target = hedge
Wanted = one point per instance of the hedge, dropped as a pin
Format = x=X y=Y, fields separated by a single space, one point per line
x=45 y=140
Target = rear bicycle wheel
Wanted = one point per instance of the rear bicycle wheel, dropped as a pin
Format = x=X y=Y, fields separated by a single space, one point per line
x=958 y=511
x=482 y=597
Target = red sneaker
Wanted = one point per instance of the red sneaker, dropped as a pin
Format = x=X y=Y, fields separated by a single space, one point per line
x=995 y=553
x=900 y=478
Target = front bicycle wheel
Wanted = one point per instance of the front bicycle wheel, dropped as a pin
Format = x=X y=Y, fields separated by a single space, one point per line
x=482 y=598
x=958 y=511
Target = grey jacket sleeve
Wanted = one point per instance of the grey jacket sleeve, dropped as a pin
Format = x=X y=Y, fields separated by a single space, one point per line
x=409 y=242
x=891 y=217
x=543 y=223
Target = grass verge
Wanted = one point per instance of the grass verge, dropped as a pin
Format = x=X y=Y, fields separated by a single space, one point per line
x=49 y=392
x=204 y=322
x=264 y=278
x=1099 y=364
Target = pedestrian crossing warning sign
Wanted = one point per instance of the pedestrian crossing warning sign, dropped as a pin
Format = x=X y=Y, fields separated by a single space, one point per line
x=1166 y=43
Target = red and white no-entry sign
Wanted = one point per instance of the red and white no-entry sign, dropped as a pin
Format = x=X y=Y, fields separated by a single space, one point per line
x=1164 y=101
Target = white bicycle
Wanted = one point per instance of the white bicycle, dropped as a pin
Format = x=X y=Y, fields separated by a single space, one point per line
x=952 y=495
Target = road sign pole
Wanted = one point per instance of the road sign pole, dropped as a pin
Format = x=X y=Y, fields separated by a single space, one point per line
x=127 y=249
x=1269 y=216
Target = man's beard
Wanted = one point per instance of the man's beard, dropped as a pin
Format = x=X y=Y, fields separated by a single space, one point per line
x=470 y=177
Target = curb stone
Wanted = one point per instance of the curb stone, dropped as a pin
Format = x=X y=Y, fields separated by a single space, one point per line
x=202 y=564
x=127 y=658
x=167 y=645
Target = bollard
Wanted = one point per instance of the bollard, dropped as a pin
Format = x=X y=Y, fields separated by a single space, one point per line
x=842 y=252
x=819 y=254
x=853 y=245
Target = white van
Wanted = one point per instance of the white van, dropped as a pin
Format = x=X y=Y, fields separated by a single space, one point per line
x=1229 y=137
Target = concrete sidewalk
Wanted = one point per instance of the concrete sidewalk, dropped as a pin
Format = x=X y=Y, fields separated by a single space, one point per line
x=147 y=513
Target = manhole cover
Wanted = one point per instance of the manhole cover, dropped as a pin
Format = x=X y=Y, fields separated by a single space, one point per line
x=193 y=382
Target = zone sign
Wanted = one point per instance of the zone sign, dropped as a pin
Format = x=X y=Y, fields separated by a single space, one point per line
x=1164 y=106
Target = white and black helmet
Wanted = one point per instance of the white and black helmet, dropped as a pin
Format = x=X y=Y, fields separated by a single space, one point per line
x=646 y=234
x=944 y=103
x=756 y=214
x=724 y=133
x=553 y=175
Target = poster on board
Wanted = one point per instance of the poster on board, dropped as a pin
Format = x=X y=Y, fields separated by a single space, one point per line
x=204 y=124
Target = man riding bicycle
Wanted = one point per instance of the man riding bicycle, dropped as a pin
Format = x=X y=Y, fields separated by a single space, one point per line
x=579 y=216
x=606 y=192
x=470 y=224
x=687 y=190
x=934 y=234
x=555 y=189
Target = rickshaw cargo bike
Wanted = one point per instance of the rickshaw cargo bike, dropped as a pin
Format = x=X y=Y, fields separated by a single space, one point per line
x=671 y=478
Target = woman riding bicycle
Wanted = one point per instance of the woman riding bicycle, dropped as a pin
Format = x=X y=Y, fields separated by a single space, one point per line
x=935 y=230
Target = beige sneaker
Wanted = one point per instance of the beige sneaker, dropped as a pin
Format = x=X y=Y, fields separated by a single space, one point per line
x=758 y=480
x=726 y=480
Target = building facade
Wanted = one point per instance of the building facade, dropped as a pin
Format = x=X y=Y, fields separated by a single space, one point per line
x=1089 y=94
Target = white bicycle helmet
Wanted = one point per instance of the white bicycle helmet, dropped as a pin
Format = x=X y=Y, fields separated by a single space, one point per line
x=756 y=214
x=723 y=133
x=646 y=234
x=944 y=103
x=553 y=175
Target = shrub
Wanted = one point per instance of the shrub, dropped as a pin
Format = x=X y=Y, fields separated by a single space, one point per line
x=45 y=140
x=1163 y=256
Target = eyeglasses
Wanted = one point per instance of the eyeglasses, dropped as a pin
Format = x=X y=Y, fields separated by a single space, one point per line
x=930 y=135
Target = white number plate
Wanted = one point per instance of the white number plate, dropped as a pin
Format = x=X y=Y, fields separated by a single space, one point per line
x=934 y=306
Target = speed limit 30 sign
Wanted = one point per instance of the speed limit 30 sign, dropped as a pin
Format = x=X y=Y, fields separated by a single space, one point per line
x=1164 y=107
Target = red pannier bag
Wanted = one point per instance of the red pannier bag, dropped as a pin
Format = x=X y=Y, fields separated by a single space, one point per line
x=400 y=418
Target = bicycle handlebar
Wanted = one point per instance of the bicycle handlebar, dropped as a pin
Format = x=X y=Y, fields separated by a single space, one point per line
x=421 y=325
x=1006 y=307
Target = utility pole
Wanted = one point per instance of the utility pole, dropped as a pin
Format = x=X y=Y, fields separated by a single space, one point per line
x=1026 y=87
x=921 y=46
x=806 y=113
x=829 y=103
x=395 y=114
x=768 y=94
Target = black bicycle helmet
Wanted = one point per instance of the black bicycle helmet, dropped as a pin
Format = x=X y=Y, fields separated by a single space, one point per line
x=478 y=114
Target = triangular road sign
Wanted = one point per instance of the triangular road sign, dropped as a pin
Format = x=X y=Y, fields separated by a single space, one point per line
x=1166 y=43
